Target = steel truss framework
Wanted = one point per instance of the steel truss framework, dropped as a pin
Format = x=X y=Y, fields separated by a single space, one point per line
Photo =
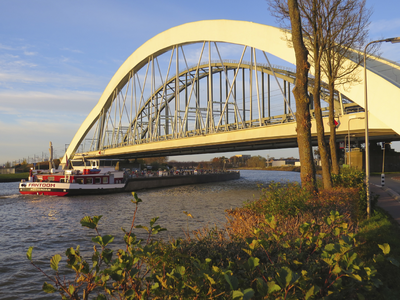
x=212 y=96
x=159 y=110
x=143 y=105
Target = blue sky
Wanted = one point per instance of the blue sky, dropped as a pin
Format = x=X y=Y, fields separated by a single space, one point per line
x=56 y=58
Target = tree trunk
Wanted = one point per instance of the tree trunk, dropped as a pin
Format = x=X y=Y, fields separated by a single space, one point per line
x=332 y=137
x=323 y=151
x=307 y=173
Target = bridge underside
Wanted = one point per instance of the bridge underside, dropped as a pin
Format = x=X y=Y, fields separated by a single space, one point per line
x=375 y=136
x=274 y=137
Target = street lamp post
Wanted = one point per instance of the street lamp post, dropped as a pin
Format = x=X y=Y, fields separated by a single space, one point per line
x=345 y=149
x=348 y=134
x=367 y=172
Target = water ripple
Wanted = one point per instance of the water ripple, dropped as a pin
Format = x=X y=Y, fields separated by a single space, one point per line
x=51 y=224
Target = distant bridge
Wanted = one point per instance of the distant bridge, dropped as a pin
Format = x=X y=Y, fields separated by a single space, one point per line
x=209 y=86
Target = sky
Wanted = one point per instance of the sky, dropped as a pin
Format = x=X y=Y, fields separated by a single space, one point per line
x=56 y=58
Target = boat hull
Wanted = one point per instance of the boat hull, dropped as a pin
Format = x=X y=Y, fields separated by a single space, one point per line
x=68 y=189
x=132 y=184
x=52 y=192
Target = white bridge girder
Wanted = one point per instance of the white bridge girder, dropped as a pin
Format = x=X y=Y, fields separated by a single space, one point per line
x=239 y=117
x=252 y=35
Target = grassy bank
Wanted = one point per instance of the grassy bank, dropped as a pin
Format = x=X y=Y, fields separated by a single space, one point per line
x=289 y=244
x=13 y=177
x=281 y=168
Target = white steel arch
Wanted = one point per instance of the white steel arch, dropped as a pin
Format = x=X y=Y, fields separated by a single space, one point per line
x=383 y=91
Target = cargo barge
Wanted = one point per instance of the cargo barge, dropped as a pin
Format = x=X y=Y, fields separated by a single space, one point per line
x=101 y=177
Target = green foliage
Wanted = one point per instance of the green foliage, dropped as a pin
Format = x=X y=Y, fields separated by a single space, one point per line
x=55 y=261
x=354 y=178
x=279 y=199
x=13 y=177
x=320 y=262
x=29 y=253
x=349 y=178
x=48 y=288
x=380 y=229
x=90 y=222
x=256 y=162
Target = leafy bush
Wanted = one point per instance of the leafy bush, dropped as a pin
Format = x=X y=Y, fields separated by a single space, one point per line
x=354 y=178
x=349 y=178
x=281 y=199
x=320 y=262
x=292 y=206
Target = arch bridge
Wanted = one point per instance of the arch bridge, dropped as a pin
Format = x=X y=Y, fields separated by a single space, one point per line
x=209 y=86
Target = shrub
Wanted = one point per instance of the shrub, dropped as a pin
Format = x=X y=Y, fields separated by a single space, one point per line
x=292 y=206
x=281 y=199
x=320 y=261
x=354 y=178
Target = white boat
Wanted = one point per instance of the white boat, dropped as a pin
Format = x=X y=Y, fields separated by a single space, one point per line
x=91 y=176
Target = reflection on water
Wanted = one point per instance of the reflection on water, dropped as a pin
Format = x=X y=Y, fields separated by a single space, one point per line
x=51 y=224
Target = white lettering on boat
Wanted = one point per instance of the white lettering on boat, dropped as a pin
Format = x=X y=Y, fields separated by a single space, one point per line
x=41 y=185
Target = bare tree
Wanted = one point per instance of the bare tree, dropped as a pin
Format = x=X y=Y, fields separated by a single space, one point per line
x=313 y=21
x=332 y=28
x=347 y=22
x=300 y=93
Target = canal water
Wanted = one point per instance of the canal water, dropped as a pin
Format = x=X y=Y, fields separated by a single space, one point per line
x=51 y=224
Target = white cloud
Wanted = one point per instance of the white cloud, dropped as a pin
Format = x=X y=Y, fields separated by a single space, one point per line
x=32 y=138
x=72 y=50
x=12 y=62
x=390 y=51
x=6 y=47
x=29 y=53
x=24 y=73
x=58 y=103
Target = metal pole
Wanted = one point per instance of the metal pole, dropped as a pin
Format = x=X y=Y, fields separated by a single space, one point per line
x=383 y=159
x=345 y=149
x=262 y=93
x=383 y=165
x=366 y=134
x=178 y=96
x=251 y=88
x=284 y=102
x=269 y=96
x=244 y=98
x=348 y=140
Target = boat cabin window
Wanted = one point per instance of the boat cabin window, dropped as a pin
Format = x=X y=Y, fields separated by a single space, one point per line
x=89 y=180
x=62 y=180
x=108 y=163
x=105 y=179
x=80 y=163
x=97 y=164
x=97 y=180
x=79 y=180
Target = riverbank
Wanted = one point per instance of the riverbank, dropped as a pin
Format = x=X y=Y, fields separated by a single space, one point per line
x=14 y=177
x=135 y=184
x=280 y=168
x=267 y=250
x=18 y=176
